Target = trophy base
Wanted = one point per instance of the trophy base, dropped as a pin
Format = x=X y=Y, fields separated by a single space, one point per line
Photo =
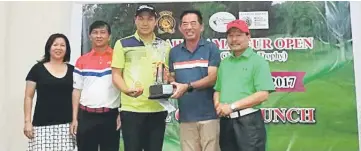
x=161 y=91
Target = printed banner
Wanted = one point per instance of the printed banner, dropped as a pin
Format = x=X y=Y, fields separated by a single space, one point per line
x=288 y=81
x=309 y=49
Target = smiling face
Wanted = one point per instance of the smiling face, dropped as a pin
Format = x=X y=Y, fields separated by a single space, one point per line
x=58 y=49
x=237 y=40
x=190 y=27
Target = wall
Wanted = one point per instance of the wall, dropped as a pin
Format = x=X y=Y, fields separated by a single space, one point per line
x=24 y=28
x=3 y=18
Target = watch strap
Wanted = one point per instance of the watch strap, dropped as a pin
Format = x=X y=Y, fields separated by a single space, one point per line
x=190 y=87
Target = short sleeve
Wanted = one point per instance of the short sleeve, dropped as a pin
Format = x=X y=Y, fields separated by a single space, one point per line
x=215 y=56
x=263 y=78
x=33 y=73
x=171 y=61
x=118 y=59
x=78 y=78
x=217 y=86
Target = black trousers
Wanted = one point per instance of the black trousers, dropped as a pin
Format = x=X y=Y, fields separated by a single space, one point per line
x=97 y=130
x=143 y=130
x=245 y=133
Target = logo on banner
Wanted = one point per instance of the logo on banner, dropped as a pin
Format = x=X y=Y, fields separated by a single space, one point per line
x=224 y=54
x=168 y=119
x=218 y=21
x=176 y=115
x=166 y=22
x=255 y=20
x=248 y=20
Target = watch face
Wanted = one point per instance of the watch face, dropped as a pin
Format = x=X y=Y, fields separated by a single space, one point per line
x=190 y=88
x=233 y=107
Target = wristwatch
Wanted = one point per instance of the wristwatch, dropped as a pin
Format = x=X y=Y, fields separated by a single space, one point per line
x=233 y=107
x=190 y=87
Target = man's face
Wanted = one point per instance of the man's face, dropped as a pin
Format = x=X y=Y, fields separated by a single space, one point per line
x=145 y=23
x=100 y=37
x=237 y=40
x=190 y=27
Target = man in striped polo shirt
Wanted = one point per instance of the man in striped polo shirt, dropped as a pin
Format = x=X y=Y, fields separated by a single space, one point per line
x=96 y=120
x=193 y=68
x=134 y=65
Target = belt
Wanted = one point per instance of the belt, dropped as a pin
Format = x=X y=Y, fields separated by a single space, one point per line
x=241 y=113
x=96 y=110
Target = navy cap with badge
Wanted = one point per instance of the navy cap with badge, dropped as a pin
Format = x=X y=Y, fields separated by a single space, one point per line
x=146 y=8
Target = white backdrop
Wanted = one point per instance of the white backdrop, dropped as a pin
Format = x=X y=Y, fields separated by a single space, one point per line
x=356 y=37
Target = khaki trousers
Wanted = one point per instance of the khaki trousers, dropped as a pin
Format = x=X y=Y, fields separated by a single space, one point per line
x=200 y=136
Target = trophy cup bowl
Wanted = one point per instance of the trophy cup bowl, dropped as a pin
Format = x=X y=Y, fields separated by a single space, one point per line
x=160 y=90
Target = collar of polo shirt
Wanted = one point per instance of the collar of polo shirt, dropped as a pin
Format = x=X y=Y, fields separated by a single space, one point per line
x=247 y=53
x=136 y=35
x=201 y=42
x=107 y=51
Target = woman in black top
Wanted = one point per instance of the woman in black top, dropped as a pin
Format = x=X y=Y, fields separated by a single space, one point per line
x=52 y=79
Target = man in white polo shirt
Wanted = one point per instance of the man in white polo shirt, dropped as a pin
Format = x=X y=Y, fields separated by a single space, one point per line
x=96 y=120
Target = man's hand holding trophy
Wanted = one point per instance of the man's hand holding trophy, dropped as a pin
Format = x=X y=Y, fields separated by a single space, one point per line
x=134 y=92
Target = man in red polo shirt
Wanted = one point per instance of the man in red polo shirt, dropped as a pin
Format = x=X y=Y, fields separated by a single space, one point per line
x=96 y=120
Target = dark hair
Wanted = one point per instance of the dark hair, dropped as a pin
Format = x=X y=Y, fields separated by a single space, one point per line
x=99 y=24
x=197 y=12
x=49 y=43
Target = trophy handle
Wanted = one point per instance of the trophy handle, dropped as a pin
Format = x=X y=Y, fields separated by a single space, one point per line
x=162 y=70
x=159 y=77
x=157 y=73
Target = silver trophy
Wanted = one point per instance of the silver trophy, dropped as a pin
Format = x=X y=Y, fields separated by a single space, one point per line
x=160 y=90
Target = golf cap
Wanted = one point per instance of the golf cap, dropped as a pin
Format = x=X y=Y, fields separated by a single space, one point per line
x=145 y=8
x=239 y=24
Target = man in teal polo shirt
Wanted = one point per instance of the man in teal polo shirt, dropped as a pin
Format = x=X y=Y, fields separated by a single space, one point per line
x=244 y=81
